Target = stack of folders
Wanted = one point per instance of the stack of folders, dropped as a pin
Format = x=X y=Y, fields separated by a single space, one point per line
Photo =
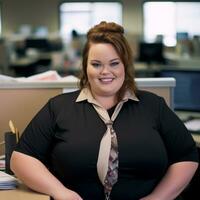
x=2 y=163
x=7 y=182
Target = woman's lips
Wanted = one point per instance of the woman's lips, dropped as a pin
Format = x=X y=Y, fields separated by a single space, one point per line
x=106 y=80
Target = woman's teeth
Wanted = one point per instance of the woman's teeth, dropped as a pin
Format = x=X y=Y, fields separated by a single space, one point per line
x=106 y=80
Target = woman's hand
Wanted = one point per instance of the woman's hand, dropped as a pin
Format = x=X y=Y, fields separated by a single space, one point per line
x=67 y=195
x=149 y=197
x=43 y=181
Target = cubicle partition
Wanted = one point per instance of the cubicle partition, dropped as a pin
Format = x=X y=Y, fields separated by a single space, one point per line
x=20 y=101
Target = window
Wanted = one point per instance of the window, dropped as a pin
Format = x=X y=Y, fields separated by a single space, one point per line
x=82 y=16
x=170 y=18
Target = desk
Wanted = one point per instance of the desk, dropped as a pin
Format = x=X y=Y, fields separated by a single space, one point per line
x=22 y=193
x=30 y=65
x=24 y=66
x=183 y=62
x=184 y=115
x=196 y=138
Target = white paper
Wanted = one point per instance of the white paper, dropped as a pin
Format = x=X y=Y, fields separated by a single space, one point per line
x=2 y=164
x=4 y=78
x=48 y=76
x=193 y=125
x=7 y=181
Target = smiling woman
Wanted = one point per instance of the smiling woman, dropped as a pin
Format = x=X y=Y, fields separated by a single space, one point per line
x=107 y=140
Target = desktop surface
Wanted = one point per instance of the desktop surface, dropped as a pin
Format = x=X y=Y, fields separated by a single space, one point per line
x=192 y=122
x=22 y=193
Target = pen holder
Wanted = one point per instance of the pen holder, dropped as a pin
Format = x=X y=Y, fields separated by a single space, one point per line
x=10 y=143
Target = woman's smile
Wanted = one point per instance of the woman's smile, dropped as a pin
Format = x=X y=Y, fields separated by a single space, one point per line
x=106 y=80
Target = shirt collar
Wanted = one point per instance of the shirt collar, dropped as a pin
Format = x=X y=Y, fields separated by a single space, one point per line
x=86 y=94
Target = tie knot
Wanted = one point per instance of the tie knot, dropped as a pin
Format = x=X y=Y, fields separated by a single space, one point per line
x=109 y=123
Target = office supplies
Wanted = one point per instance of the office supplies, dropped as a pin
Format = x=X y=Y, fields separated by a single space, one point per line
x=2 y=165
x=17 y=134
x=193 y=125
x=10 y=143
x=7 y=181
x=14 y=130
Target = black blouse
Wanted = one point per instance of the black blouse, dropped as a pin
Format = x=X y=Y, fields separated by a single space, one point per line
x=65 y=135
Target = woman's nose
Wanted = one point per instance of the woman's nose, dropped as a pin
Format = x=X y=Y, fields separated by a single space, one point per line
x=105 y=69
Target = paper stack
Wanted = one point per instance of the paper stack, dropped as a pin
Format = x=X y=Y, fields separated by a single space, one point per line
x=2 y=164
x=193 y=125
x=7 y=182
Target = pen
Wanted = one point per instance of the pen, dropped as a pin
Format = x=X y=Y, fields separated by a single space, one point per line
x=14 y=130
x=17 y=134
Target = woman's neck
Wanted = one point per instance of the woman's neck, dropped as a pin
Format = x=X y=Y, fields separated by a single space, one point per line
x=106 y=102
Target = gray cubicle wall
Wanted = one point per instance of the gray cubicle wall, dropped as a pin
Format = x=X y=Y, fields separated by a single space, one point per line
x=20 y=101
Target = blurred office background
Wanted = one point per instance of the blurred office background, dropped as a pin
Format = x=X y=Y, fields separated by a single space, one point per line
x=41 y=35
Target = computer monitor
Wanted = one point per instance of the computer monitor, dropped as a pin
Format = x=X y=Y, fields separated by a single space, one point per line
x=186 y=92
x=182 y=36
x=37 y=43
x=151 y=52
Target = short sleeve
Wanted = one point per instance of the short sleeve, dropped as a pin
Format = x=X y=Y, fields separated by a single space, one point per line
x=177 y=139
x=37 y=137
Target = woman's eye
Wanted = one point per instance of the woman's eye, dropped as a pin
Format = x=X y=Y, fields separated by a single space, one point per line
x=113 y=64
x=96 y=65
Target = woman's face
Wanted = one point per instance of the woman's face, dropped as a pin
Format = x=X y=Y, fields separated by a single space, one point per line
x=105 y=70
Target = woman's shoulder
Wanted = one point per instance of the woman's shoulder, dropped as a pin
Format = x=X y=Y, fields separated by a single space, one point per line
x=66 y=97
x=144 y=95
x=150 y=102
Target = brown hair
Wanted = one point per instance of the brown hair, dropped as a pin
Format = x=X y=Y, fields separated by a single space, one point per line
x=113 y=34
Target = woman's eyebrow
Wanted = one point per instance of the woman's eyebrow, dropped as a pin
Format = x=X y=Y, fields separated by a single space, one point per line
x=115 y=59
x=95 y=61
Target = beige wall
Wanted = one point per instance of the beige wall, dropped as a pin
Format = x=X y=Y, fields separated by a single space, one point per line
x=132 y=16
x=45 y=12
x=34 y=12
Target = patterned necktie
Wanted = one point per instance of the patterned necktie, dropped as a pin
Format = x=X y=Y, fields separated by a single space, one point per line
x=107 y=164
x=113 y=163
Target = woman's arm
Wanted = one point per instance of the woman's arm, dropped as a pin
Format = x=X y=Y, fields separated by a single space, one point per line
x=36 y=176
x=174 y=182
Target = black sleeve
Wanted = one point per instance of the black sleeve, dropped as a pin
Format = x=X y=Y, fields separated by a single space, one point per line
x=178 y=141
x=37 y=137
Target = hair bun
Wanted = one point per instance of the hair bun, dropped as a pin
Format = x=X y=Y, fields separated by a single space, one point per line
x=110 y=27
x=107 y=27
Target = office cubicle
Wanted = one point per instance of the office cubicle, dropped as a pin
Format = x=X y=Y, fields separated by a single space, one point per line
x=20 y=101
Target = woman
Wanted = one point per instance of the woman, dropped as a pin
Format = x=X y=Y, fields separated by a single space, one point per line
x=64 y=151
